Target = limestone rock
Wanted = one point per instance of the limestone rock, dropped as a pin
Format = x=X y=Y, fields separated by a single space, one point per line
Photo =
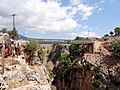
x=3 y=85
x=25 y=77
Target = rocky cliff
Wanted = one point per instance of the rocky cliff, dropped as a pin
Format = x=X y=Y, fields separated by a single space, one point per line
x=18 y=75
x=97 y=71
x=21 y=76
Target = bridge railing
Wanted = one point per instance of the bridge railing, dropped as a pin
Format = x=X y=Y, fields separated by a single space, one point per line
x=62 y=41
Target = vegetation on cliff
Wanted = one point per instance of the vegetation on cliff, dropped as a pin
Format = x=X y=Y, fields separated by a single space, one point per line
x=117 y=31
x=77 y=50
x=13 y=33
x=116 y=46
x=73 y=72
x=68 y=74
x=33 y=49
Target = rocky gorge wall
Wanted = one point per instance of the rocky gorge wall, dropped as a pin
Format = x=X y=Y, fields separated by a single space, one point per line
x=103 y=72
x=19 y=76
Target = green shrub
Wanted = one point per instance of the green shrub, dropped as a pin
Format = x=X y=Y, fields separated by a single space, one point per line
x=13 y=34
x=32 y=46
x=40 y=53
x=77 y=50
x=31 y=49
x=97 y=83
x=116 y=46
x=4 y=30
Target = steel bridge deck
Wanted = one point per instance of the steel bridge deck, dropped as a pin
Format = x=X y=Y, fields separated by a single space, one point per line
x=63 y=41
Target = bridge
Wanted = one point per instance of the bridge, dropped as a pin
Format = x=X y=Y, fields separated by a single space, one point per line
x=64 y=41
x=88 y=42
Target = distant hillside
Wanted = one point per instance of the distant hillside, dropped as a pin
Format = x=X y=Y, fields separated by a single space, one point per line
x=22 y=37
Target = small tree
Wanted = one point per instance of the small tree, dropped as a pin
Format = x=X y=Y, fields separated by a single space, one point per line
x=106 y=35
x=13 y=34
x=79 y=38
x=31 y=48
x=76 y=50
x=117 y=31
x=40 y=54
x=4 y=30
x=111 y=33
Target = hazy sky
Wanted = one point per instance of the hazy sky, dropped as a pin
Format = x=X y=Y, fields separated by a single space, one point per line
x=61 y=18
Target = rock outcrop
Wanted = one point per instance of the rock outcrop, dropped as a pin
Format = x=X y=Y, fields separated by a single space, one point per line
x=104 y=76
x=19 y=76
x=57 y=51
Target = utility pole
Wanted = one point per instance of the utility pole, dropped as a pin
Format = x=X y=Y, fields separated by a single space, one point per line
x=15 y=34
x=13 y=15
x=3 y=54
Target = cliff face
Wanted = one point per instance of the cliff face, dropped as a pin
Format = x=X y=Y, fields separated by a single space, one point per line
x=8 y=49
x=19 y=76
x=78 y=81
x=102 y=72
x=98 y=71
x=57 y=51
